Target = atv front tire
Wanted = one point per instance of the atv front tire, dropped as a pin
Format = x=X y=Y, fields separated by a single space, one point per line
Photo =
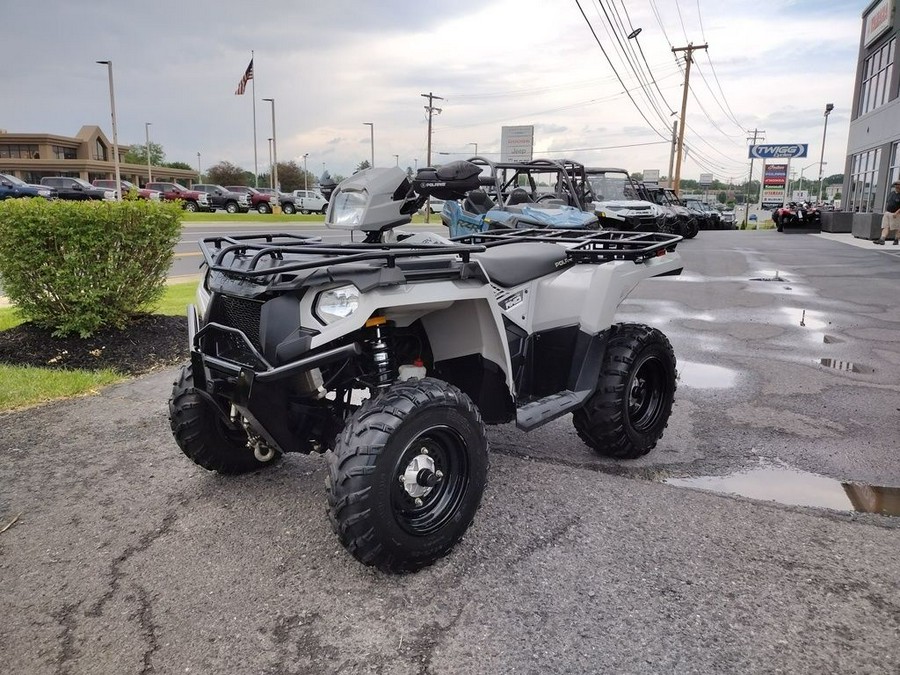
x=407 y=474
x=628 y=413
x=204 y=434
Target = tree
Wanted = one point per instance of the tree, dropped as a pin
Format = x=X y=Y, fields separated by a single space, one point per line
x=179 y=165
x=137 y=154
x=290 y=176
x=721 y=197
x=225 y=173
x=363 y=165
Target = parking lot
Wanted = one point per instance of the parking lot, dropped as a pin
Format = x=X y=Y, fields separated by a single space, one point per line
x=127 y=558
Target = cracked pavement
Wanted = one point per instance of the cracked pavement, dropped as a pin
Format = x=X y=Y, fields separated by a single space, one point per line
x=129 y=559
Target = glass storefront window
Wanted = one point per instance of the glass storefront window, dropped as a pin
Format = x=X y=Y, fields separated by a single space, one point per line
x=864 y=181
x=877 y=72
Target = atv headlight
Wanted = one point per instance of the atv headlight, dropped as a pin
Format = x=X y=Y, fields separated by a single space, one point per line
x=338 y=303
x=348 y=209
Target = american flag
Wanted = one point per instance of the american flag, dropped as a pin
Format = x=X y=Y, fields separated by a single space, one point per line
x=248 y=75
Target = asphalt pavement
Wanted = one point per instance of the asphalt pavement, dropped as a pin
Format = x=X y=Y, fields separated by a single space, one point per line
x=121 y=556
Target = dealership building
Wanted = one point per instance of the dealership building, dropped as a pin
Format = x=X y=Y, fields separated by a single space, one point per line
x=88 y=155
x=873 y=146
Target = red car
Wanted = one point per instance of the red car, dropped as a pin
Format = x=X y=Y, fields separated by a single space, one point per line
x=191 y=200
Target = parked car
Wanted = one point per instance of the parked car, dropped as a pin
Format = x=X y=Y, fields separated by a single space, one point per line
x=191 y=200
x=220 y=198
x=76 y=189
x=286 y=200
x=128 y=188
x=311 y=201
x=435 y=205
x=12 y=187
x=260 y=201
x=708 y=217
x=728 y=220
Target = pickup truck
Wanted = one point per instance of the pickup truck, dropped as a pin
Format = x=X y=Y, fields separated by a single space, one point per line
x=258 y=200
x=11 y=187
x=76 y=189
x=310 y=201
x=127 y=189
x=220 y=198
x=286 y=199
x=191 y=200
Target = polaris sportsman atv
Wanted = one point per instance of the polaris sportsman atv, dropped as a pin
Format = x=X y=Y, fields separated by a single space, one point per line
x=391 y=355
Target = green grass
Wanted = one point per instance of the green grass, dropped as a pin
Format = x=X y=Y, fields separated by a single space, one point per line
x=23 y=386
x=251 y=217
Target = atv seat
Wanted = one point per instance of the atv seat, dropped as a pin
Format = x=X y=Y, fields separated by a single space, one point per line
x=513 y=264
x=478 y=201
x=519 y=196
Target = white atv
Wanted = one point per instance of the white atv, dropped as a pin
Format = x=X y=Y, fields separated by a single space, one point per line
x=391 y=355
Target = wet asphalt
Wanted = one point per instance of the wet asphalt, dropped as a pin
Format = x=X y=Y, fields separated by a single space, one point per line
x=126 y=558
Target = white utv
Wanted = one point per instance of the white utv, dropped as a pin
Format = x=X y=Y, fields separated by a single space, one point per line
x=390 y=356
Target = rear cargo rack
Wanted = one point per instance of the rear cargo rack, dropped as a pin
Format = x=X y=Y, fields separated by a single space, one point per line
x=584 y=247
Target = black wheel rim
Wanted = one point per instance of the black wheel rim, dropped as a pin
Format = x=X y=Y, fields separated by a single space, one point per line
x=426 y=513
x=647 y=391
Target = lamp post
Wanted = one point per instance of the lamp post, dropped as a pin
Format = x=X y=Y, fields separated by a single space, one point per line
x=416 y=163
x=112 y=109
x=199 y=172
x=800 y=185
x=476 y=147
x=277 y=207
x=396 y=160
x=828 y=108
x=371 y=126
x=271 y=178
x=305 y=155
x=147 y=129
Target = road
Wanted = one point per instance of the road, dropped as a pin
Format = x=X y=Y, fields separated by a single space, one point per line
x=126 y=558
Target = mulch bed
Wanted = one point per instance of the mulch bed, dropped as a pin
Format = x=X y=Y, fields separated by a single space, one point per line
x=149 y=342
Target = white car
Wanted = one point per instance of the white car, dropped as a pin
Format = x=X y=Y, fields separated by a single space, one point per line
x=437 y=205
x=310 y=201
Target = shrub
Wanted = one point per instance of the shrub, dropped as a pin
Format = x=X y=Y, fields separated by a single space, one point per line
x=77 y=267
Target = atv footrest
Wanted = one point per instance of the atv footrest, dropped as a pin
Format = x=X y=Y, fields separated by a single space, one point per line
x=534 y=414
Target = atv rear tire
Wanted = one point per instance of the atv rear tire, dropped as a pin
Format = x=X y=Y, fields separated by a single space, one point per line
x=205 y=435
x=690 y=229
x=407 y=475
x=628 y=413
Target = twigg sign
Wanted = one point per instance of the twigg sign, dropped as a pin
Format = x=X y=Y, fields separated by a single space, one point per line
x=778 y=151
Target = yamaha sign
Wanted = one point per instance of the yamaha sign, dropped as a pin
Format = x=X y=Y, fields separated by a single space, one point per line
x=789 y=151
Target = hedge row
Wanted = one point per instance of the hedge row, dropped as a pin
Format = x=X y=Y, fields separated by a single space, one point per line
x=77 y=267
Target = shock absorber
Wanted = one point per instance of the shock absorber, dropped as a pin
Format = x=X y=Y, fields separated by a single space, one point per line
x=381 y=343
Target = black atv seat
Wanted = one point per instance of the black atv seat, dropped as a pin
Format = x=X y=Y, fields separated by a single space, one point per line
x=513 y=264
x=478 y=201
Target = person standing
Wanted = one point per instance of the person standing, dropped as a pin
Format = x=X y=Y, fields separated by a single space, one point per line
x=891 y=218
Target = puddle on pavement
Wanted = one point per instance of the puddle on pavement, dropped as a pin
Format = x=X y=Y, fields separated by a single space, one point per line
x=705 y=376
x=804 y=318
x=769 y=276
x=847 y=366
x=792 y=487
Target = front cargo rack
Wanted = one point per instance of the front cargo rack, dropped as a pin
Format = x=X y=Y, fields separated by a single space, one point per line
x=242 y=255
x=584 y=247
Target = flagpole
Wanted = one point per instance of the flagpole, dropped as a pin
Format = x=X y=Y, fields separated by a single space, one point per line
x=255 y=163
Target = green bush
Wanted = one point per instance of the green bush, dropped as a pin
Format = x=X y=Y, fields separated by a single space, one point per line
x=77 y=267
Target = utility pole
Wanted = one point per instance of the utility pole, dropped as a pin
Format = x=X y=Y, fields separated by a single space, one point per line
x=431 y=110
x=688 y=58
x=672 y=153
x=752 y=141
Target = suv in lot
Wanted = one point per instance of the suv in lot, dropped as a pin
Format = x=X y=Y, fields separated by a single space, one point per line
x=191 y=200
x=220 y=198
x=76 y=188
x=127 y=188
x=310 y=201
x=11 y=187
x=258 y=200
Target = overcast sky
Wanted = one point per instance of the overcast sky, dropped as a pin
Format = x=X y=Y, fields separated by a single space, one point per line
x=331 y=66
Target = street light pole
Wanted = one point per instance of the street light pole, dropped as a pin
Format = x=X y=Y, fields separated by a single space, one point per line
x=112 y=108
x=277 y=207
x=305 y=155
x=147 y=129
x=828 y=108
x=271 y=178
x=476 y=147
x=371 y=126
x=199 y=172
x=397 y=160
